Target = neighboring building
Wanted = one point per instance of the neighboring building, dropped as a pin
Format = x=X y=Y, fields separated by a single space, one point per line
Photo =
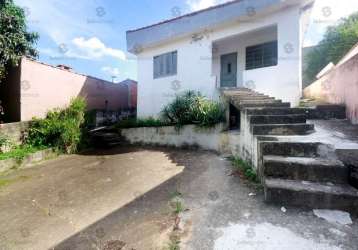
x=338 y=84
x=34 y=88
x=133 y=92
x=255 y=44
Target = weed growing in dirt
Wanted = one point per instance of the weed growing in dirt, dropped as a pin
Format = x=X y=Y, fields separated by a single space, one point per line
x=178 y=207
x=245 y=169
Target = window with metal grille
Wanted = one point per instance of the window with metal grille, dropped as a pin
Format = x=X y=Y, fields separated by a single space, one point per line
x=165 y=64
x=262 y=55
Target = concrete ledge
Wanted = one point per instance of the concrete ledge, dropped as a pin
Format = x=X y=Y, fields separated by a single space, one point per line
x=214 y=139
x=28 y=161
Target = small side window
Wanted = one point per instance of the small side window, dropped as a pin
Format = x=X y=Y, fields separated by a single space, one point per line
x=165 y=65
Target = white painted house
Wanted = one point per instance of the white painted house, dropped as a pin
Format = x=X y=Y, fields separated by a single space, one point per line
x=244 y=43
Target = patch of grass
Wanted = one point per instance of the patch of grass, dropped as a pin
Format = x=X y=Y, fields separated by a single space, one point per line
x=7 y=182
x=175 y=194
x=174 y=244
x=20 y=152
x=4 y=183
x=245 y=169
x=178 y=207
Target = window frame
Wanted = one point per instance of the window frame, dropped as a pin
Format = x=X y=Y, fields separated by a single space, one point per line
x=266 y=57
x=167 y=63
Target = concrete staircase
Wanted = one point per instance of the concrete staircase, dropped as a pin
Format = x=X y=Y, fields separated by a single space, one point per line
x=306 y=175
x=293 y=173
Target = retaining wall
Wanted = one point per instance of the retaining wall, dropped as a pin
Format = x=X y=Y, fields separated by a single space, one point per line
x=215 y=139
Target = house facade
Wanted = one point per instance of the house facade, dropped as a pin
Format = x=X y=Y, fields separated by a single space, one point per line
x=253 y=44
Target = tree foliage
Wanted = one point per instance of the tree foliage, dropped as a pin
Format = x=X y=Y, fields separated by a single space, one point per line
x=15 y=40
x=337 y=41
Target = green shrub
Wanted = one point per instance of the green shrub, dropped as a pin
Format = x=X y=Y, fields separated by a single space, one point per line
x=62 y=128
x=20 y=152
x=193 y=108
x=5 y=144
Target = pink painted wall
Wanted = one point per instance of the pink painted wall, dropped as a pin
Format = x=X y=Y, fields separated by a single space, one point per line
x=339 y=86
x=44 y=87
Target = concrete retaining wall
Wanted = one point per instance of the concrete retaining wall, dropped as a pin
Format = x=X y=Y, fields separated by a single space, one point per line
x=28 y=161
x=215 y=139
x=14 y=131
x=339 y=86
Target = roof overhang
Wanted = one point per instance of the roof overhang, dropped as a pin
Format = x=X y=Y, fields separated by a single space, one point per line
x=208 y=19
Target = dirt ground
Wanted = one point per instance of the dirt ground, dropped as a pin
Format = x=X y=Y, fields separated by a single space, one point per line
x=124 y=199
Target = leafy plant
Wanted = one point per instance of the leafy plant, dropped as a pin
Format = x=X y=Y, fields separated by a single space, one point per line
x=245 y=169
x=60 y=128
x=193 y=108
x=15 y=40
x=337 y=41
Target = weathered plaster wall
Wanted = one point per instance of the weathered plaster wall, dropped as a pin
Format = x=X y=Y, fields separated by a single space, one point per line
x=340 y=86
x=210 y=139
x=44 y=87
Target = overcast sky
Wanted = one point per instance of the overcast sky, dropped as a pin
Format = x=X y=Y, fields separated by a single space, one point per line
x=89 y=35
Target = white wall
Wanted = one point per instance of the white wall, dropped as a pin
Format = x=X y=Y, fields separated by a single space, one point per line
x=195 y=66
x=214 y=139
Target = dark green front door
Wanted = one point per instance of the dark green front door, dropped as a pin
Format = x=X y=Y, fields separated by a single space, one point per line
x=228 y=74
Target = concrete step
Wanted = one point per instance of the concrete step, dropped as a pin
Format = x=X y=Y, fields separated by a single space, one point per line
x=282 y=129
x=264 y=101
x=275 y=111
x=296 y=149
x=311 y=194
x=263 y=105
x=307 y=169
x=251 y=98
x=277 y=119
